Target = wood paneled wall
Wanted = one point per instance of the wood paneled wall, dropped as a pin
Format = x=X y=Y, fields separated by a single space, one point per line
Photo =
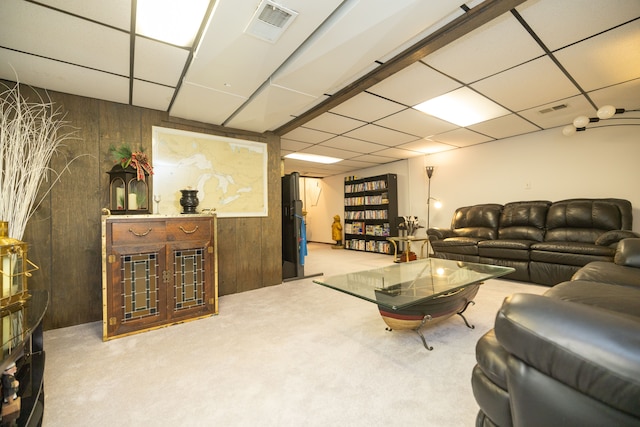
x=64 y=234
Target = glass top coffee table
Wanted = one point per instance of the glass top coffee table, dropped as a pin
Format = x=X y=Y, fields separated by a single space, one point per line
x=411 y=293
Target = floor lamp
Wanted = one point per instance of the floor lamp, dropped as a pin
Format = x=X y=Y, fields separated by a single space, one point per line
x=429 y=198
x=429 y=175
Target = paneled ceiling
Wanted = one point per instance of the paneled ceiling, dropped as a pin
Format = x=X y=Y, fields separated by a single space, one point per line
x=343 y=78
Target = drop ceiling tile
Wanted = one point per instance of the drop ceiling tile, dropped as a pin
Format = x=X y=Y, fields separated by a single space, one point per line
x=62 y=77
x=308 y=135
x=373 y=158
x=271 y=107
x=352 y=144
x=356 y=37
x=535 y=83
x=334 y=123
x=625 y=95
x=31 y=28
x=291 y=145
x=114 y=12
x=560 y=23
x=331 y=152
x=150 y=95
x=575 y=106
x=355 y=164
x=204 y=105
x=367 y=107
x=380 y=135
x=461 y=138
x=413 y=85
x=426 y=146
x=608 y=59
x=228 y=56
x=398 y=153
x=415 y=122
x=504 y=127
x=498 y=45
x=158 y=62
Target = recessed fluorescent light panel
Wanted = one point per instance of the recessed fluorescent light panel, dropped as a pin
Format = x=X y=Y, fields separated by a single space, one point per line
x=170 y=21
x=462 y=107
x=313 y=158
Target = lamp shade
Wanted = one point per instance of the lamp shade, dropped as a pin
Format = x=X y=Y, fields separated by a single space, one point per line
x=581 y=121
x=568 y=130
x=606 y=111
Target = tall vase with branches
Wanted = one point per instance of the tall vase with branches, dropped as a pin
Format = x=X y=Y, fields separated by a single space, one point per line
x=31 y=132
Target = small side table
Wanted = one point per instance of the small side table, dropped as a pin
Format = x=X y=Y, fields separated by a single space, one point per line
x=408 y=240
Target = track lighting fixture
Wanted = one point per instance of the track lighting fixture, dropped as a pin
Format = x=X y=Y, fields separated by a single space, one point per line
x=580 y=123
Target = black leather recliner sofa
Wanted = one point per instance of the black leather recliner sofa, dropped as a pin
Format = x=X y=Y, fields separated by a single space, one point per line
x=570 y=357
x=545 y=242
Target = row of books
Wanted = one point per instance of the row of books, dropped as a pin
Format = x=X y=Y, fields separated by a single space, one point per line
x=369 y=245
x=368 y=214
x=365 y=186
x=370 y=230
x=354 y=227
x=382 y=199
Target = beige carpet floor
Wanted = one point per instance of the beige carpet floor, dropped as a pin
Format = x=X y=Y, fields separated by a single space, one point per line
x=294 y=354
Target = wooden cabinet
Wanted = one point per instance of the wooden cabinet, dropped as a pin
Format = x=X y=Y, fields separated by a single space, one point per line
x=157 y=271
x=370 y=213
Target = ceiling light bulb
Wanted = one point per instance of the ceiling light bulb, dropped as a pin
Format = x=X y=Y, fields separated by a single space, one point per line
x=581 y=121
x=568 y=130
x=606 y=112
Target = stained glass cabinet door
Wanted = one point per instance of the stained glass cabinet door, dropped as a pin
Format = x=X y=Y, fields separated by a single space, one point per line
x=157 y=271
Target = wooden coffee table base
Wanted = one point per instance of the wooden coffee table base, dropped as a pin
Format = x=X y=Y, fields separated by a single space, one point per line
x=432 y=311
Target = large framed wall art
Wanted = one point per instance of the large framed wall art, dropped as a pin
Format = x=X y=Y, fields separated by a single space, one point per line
x=230 y=174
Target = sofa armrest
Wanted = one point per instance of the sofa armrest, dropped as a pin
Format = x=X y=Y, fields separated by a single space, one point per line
x=628 y=253
x=614 y=236
x=440 y=233
x=592 y=350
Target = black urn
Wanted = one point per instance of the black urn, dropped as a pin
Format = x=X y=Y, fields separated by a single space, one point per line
x=189 y=201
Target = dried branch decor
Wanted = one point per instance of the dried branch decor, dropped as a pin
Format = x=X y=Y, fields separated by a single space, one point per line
x=30 y=134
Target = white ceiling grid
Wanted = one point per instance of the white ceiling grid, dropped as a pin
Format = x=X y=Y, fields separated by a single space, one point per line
x=84 y=47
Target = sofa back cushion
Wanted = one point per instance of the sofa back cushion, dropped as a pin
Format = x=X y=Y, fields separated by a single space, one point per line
x=479 y=221
x=524 y=220
x=583 y=220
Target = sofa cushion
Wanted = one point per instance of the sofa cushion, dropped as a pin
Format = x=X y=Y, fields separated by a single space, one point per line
x=574 y=248
x=582 y=220
x=457 y=245
x=617 y=298
x=628 y=253
x=523 y=220
x=479 y=221
x=594 y=351
x=608 y=272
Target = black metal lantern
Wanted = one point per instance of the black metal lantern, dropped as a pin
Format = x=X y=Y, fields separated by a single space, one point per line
x=127 y=194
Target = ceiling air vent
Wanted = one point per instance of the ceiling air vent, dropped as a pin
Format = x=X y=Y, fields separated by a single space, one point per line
x=269 y=21
x=554 y=108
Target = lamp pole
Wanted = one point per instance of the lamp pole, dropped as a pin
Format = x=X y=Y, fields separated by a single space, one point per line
x=429 y=175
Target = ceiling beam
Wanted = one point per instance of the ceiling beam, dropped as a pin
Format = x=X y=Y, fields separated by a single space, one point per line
x=472 y=19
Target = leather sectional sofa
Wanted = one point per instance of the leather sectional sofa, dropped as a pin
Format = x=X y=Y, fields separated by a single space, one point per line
x=545 y=242
x=570 y=357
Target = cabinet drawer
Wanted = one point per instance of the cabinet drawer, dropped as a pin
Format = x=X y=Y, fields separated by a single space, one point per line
x=138 y=232
x=194 y=229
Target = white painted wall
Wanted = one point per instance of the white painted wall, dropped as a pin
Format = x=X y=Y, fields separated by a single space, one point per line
x=601 y=162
